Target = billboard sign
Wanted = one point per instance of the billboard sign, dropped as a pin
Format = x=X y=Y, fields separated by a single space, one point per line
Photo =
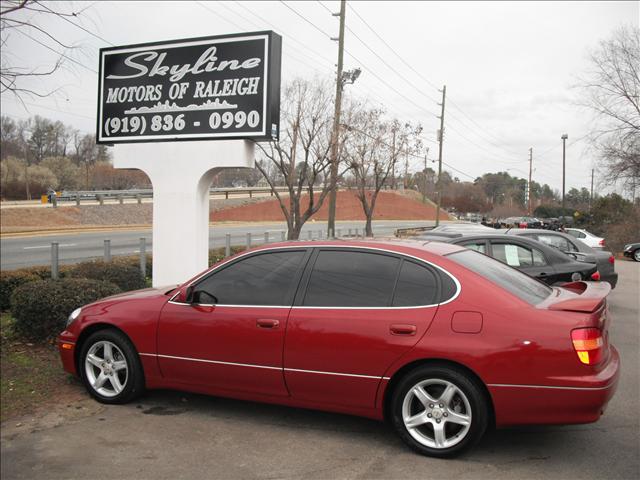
x=222 y=87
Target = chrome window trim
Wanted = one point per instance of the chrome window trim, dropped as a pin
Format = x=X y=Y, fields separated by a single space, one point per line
x=266 y=367
x=352 y=247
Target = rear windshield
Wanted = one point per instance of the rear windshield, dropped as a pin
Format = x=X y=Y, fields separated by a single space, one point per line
x=521 y=285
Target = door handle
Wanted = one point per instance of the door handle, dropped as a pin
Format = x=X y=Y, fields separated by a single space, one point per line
x=401 y=329
x=267 y=323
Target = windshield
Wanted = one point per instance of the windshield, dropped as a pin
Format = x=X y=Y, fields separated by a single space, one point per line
x=521 y=285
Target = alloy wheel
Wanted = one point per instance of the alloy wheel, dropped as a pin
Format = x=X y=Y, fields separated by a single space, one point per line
x=436 y=413
x=106 y=368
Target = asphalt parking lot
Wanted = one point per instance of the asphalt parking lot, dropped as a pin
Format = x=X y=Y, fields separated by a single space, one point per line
x=174 y=435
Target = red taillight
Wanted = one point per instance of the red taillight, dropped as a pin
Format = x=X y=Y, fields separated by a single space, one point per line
x=589 y=345
x=595 y=276
x=612 y=259
x=601 y=243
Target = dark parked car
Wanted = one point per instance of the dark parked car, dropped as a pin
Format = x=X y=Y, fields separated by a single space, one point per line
x=568 y=244
x=632 y=250
x=537 y=260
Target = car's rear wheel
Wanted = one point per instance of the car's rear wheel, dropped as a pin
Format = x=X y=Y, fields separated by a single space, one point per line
x=439 y=411
x=110 y=367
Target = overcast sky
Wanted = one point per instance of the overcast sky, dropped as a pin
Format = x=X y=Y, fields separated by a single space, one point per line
x=509 y=67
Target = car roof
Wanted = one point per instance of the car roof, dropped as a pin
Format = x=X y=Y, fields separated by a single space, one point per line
x=397 y=245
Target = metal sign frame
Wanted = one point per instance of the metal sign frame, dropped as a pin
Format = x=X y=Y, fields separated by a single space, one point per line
x=268 y=127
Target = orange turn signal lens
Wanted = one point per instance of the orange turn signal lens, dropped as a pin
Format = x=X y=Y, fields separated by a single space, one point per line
x=67 y=346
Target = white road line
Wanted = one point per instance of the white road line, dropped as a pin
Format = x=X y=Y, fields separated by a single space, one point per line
x=49 y=246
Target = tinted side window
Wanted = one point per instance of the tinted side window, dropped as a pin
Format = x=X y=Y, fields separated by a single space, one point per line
x=417 y=285
x=513 y=255
x=351 y=279
x=265 y=279
x=478 y=246
x=558 y=242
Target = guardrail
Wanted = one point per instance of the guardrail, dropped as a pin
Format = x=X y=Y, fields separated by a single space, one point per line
x=247 y=240
x=138 y=194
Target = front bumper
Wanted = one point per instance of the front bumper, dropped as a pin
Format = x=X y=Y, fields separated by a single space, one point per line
x=559 y=405
x=67 y=348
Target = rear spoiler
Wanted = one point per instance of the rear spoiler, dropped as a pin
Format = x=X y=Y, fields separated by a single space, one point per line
x=583 y=297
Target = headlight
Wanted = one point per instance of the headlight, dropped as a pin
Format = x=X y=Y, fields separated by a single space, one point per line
x=75 y=314
x=627 y=247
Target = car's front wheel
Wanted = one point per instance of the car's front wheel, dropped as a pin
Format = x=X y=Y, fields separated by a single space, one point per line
x=439 y=411
x=110 y=367
x=636 y=255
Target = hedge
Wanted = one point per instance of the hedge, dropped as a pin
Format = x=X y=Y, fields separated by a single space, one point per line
x=9 y=281
x=41 y=308
x=126 y=277
x=122 y=271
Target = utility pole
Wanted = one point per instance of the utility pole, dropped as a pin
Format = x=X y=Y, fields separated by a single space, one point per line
x=424 y=192
x=440 y=140
x=591 y=196
x=564 y=142
x=530 y=172
x=331 y=224
x=405 y=183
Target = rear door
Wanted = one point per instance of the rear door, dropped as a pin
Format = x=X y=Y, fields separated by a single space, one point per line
x=356 y=312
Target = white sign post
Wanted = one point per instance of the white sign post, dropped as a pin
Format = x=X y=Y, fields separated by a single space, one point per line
x=181 y=198
x=156 y=100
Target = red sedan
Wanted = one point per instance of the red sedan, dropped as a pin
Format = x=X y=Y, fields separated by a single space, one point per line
x=441 y=341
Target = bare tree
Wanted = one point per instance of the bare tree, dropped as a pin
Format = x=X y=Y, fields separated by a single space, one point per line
x=22 y=17
x=612 y=91
x=373 y=150
x=301 y=158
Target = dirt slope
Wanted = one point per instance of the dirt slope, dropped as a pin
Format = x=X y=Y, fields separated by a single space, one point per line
x=389 y=206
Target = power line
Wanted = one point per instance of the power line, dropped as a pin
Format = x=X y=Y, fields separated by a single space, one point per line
x=76 y=25
x=422 y=77
x=56 y=52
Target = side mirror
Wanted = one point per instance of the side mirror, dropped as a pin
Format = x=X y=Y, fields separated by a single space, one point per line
x=200 y=297
x=189 y=294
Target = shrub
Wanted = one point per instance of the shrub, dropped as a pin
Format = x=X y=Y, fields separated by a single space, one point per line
x=134 y=261
x=126 y=277
x=9 y=281
x=217 y=254
x=41 y=308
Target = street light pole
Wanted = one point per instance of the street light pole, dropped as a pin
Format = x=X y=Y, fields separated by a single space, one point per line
x=564 y=140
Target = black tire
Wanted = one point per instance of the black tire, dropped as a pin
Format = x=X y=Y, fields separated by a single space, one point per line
x=132 y=382
x=475 y=399
x=636 y=255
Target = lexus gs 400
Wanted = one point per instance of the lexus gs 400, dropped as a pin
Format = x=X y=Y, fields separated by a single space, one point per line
x=440 y=341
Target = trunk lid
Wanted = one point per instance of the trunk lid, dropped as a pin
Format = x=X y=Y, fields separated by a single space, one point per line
x=586 y=297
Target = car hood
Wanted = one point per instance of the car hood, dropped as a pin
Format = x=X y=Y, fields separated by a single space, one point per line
x=145 y=293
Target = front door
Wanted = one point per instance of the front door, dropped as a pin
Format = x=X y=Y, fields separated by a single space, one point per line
x=232 y=337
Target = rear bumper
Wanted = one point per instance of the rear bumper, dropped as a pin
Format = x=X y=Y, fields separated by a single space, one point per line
x=547 y=404
x=612 y=278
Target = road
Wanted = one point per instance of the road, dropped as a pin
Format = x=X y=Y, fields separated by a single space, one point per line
x=170 y=435
x=26 y=251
